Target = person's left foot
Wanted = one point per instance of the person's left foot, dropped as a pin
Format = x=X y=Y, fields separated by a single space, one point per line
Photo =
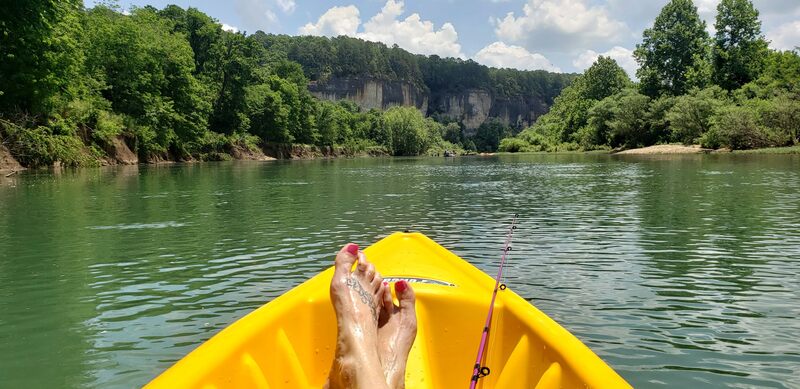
x=356 y=297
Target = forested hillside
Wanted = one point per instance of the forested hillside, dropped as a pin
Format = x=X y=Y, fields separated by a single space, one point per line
x=78 y=85
x=726 y=91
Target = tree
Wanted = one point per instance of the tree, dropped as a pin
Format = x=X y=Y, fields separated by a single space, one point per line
x=739 y=46
x=690 y=117
x=604 y=78
x=408 y=130
x=42 y=60
x=145 y=71
x=233 y=66
x=488 y=136
x=570 y=110
x=629 y=126
x=672 y=49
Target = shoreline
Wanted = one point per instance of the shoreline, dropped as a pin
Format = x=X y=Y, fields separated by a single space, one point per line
x=668 y=149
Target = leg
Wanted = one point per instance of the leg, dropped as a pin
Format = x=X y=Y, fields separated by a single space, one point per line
x=356 y=300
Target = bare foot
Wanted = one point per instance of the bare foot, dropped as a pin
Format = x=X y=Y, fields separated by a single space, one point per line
x=397 y=328
x=356 y=297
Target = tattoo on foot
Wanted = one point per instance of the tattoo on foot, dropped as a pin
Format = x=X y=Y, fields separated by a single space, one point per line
x=366 y=298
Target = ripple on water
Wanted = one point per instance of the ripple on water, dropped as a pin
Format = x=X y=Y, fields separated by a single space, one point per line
x=676 y=272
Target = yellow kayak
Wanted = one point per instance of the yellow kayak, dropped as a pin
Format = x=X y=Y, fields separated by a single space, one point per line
x=289 y=342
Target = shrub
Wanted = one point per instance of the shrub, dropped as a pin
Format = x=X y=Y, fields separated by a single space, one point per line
x=690 y=115
x=38 y=146
x=514 y=145
x=737 y=128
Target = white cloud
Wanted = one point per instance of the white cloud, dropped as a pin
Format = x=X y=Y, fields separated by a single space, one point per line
x=228 y=27
x=500 y=55
x=412 y=33
x=334 y=22
x=785 y=36
x=560 y=25
x=287 y=6
x=623 y=56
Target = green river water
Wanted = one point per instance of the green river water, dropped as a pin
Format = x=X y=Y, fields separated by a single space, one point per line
x=677 y=271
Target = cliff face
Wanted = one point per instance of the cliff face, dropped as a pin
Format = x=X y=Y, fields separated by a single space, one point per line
x=471 y=107
x=369 y=93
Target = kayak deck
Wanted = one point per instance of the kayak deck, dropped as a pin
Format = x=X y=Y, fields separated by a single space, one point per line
x=289 y=342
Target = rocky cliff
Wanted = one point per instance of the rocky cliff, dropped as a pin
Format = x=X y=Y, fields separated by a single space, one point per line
x=369 y=93
x=471 y=107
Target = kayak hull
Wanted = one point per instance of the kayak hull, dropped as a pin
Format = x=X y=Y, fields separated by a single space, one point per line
x=289 y=342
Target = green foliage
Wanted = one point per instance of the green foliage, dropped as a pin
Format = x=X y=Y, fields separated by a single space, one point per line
x=736 y=128
x=516 y=145
x=42 y=57
x=38 y=146
x=782 y=115
x=146 y=73
x=690 y=116
x=604 y=78
x=488 y=136
x=629 y=126
x=677 y=66
x=676 y=46
x=408 y=130
x=569 y=118
x=739 y=47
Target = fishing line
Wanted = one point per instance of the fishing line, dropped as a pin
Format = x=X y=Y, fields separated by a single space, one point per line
x=479 y=371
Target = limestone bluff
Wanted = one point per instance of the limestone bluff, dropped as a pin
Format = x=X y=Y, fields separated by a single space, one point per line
x=471 y=106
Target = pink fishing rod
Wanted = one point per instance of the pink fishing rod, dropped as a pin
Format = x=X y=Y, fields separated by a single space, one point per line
x=480 y=371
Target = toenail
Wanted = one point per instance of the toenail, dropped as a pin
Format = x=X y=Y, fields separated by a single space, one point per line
x=352 y=248
x=385 y=283
x=400 y=286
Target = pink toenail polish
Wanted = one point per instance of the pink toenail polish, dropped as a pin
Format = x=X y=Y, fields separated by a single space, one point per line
x=400 y=286
x=385 y=283
x=352 y=248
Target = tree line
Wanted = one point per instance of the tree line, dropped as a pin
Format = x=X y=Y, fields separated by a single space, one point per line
x=729 y=90
x=174 y=85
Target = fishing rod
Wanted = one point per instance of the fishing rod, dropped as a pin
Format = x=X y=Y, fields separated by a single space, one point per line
x=481 y=371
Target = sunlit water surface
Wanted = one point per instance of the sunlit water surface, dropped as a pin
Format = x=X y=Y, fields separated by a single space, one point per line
x=679 y=271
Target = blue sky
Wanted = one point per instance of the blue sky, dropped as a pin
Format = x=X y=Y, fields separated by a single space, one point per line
x=557 y=35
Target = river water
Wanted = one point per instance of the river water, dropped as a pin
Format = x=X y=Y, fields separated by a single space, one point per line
x=677 y=271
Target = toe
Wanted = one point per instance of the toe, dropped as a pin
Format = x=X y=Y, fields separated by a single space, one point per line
x=405 y=295
x=345 y=259
x=362 y=262
x=387 y=297
x=377 y=283
x=370 y=272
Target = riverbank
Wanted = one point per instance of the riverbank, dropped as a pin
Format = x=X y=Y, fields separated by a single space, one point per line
x=119 y=153
x=666 y=149
x=696 y=149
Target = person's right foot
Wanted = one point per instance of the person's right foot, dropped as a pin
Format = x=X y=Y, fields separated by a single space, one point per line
x=397 y=328
x=356 y=297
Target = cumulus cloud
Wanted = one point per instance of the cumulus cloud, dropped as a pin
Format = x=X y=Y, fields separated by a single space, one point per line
x=623 y=56
x=500 y=55
x=412 y=33
x=334 y=22
x=785 y=36
x=560 y=25
x=228 y=27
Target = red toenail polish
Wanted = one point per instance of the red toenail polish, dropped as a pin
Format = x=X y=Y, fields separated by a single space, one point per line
x=352 y=248
x=400 y=286
x=385 y=283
